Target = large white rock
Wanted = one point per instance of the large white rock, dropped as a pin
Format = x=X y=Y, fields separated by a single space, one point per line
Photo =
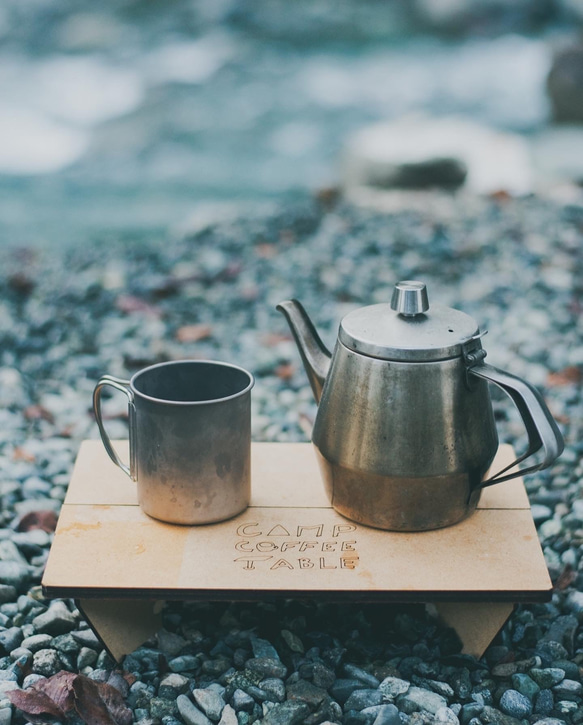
x=495 y=161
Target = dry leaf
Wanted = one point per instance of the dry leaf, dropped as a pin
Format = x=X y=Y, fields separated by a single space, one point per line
x=568 y=376
x=45 y=520
x=59 y=688
x=37 y=412
x=98 y=703
x=266 y=251
x=273 y=339
x=285 y=372
x=36 y=705
x=130 y=304
x=20 y=454
x=566 y=578
x=194 y=333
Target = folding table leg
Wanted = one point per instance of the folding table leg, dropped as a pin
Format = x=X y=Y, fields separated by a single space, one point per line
x=122 y=624
x=476 y=623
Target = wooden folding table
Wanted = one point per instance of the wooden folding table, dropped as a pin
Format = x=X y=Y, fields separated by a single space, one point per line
x=120 y=564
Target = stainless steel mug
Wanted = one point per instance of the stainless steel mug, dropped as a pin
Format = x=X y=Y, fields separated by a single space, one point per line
x=190 y=439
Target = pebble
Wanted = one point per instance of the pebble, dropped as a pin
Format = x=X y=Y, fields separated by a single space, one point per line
x=242 y=702
x=418 y=699
x=190 y=714
x=46 y=662
x=267 y=667
x=56 y=620
x=274 y=689
x=568 y=690
x=37 y=641
x=515 y=704
x=210 y=702
x=547 y=677
x=392 y=687
x=172 y=685
x=228 y=716
x=10 y=638
x=387 y=715
x=361 y=699
x=287 y=713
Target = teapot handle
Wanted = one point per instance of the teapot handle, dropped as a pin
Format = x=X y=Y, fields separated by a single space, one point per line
x=540 y=426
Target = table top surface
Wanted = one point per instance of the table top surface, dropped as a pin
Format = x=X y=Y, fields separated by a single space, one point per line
x=289 y=542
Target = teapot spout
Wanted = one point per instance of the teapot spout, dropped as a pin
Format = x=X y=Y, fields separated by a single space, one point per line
x=315 y=356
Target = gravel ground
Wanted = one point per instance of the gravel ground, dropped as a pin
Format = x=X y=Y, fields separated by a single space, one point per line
x=68 y=316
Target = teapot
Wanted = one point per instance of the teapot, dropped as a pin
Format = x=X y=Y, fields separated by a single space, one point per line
x=405 y=431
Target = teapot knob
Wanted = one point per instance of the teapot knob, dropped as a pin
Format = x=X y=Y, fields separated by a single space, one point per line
x=410 y=298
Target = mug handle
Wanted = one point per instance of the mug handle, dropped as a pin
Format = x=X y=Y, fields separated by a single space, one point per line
x=540 y=426
x=124 y=387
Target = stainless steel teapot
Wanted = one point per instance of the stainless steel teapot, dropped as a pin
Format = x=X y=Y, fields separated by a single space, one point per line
x=405 y=431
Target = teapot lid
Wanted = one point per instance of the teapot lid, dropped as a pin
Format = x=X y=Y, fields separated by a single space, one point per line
x=408 y=329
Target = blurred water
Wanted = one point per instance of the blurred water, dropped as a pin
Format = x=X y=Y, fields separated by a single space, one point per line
x=120 y=120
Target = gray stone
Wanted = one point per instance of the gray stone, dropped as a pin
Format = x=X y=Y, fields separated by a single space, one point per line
x=184 y=663
x=393 y=686
x=190 y=713
x=549 y=721
x=446 y=716
x=469 y=711
x=564 y=84
x=86 y=658
x=566 y=707
x=161 y=707
x=547 y=677
x=434 y=152
x=7 y=686
x=544 y=702
x=210 y=702
x=263 y=649
x=342 y=689
x=293 y=641
x=15 y=574
x=492 y=715
x=274 y=688
x=525 y=685
x=242 y=702
x=306 y=692
x=21 y=652
x=417 y=698
x=228 y=716
x=357 y=673
x=515 y=704
x=287 y=713
x=360 y=699
x=46 y=662
x=66 y=643
x=563 y=630
x=540 y=513
x=568 y=690
x=30 y=680
x=56 y=620
x=387 y=715
x=140 y=695
x=173 y=685
x=169 y=643
x=9 y=552
x=5 y=715
x=267 y=667
x=7 y=593
x=10 y=639
x=322 y=676
x=87 y=638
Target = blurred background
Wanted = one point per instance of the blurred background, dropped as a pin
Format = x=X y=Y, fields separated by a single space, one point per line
x=142 y=118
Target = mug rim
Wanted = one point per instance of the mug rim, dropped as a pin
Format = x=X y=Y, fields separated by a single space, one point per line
x=218 y=363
